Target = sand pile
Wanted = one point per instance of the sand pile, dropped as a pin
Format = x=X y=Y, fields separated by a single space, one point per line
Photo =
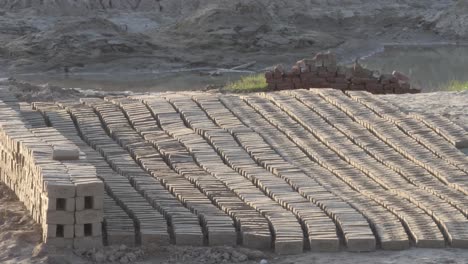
x=130 y=35
x=79 y=7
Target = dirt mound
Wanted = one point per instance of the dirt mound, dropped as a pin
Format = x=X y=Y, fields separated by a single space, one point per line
x=70 y=7
x=28 y=92
x=453 y=21
x=75 y=43
x=160 y=35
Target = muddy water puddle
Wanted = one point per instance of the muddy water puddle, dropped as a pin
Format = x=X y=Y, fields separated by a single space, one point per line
x=430 y=67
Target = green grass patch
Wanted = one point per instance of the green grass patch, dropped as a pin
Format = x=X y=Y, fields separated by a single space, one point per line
x=456 y=86
x=250 y=83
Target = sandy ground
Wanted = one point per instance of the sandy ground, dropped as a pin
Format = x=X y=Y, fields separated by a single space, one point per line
x=18 y=232
x=150 y=36
x=453 y=105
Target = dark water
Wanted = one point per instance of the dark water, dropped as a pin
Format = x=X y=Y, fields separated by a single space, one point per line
x=136 y=82
x=429 y=67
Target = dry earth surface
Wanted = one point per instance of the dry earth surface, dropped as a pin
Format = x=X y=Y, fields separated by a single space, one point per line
x=147 y=35
x=453 y=105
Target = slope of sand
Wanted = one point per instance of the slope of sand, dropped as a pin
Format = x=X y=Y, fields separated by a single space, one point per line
x=453 y=105
x=148 y=35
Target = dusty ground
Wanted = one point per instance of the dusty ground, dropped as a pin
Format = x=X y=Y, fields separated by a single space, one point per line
x=147 y=35
x=453 y=105
x=18 y=233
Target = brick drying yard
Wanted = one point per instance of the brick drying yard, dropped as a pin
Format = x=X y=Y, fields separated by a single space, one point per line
x=292 y=171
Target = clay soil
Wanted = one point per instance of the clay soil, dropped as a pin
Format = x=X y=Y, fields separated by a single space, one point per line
x=94 y=36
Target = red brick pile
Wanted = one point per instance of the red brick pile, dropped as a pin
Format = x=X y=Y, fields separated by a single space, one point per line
x=323 y=72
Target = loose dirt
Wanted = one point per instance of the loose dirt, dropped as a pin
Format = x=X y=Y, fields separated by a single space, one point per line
x=147 y=35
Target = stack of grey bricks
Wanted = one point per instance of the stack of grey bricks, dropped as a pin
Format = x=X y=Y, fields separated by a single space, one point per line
x=89 y=190
x=41 y=174
x=118 y=225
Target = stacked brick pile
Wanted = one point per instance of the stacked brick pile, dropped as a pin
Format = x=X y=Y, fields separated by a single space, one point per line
x=323 y=72
x=37 y=164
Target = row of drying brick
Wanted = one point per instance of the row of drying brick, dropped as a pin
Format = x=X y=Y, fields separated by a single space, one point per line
x=423 y=146
x=267 y=155
x=324 y=152
x=217 y=226
x=416 y=174
x=403 y=144
x=405 y=179
x=321 y=230
x=389 y=232
x=252 y=227
x=287 y=233
x=132 y=188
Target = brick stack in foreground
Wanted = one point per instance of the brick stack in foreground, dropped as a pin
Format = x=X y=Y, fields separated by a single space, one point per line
x=38 y=165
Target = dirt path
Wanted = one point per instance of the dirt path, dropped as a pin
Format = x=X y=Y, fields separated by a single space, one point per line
x=18 y=232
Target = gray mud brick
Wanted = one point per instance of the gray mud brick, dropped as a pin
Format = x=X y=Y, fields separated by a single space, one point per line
x=190 y=239
x=361 y=244
x=59 y=242
x=65 y=153
x=96 y=229
x=430 y=243
x=88 y=216
x=459 y=243
x=50 y=204
x=150 y=237
x=115 y=237
x=256 y=241
x=58 y=217
x=224 y=238
x=90 y=188
x=96 y=201
x=318 y=244
x=395 y=244
x=50 y=230
x=289 y=247
x=59 y=189
x=87 y=242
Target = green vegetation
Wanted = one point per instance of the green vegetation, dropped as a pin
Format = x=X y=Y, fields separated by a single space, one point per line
x=457 y=86
x=251 y=83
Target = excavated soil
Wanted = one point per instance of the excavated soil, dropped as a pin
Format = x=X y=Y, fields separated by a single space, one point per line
x=146 y=35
